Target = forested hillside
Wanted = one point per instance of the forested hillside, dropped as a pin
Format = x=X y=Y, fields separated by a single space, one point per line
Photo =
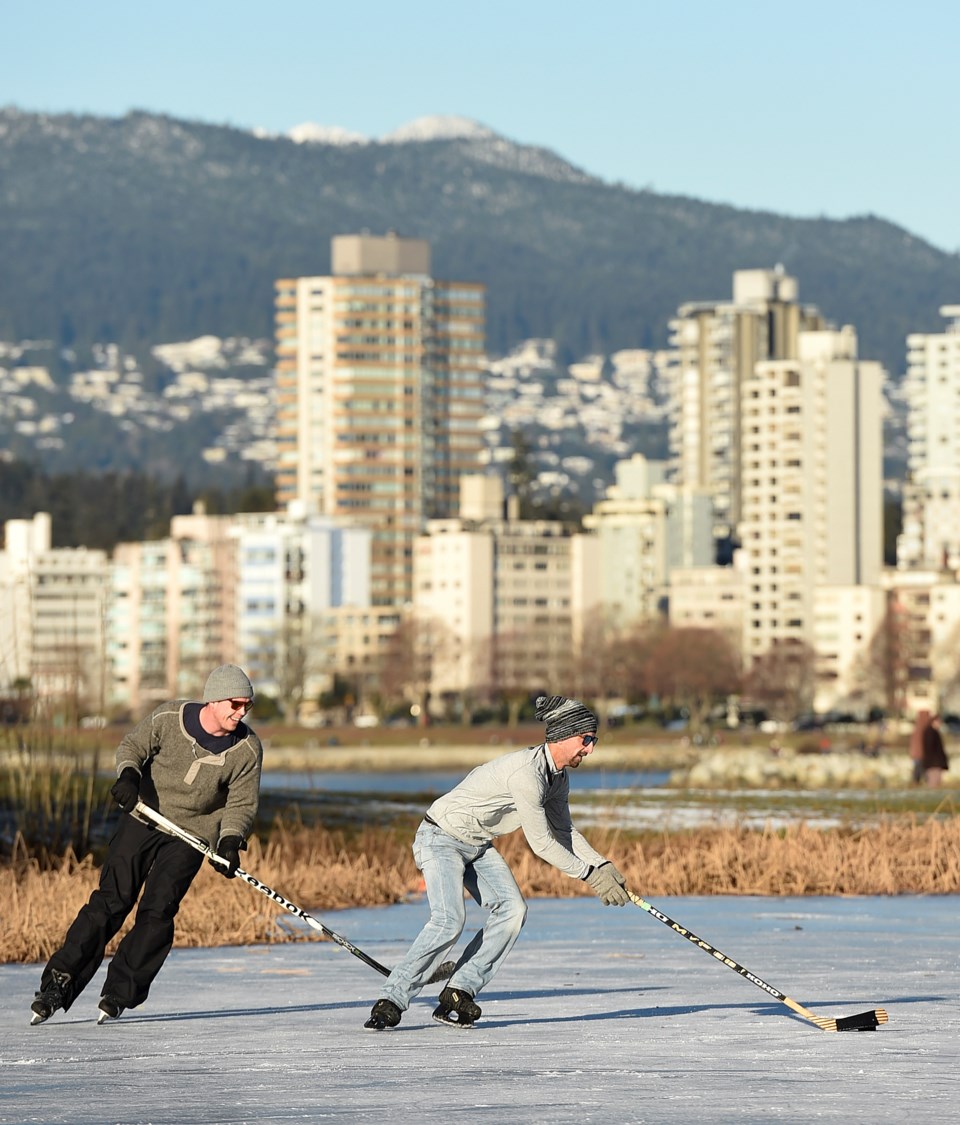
x=146 y=229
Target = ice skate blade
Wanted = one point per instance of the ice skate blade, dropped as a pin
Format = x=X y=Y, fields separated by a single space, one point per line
x=37 y=1018
x=459 y=1025
x=105 y=1017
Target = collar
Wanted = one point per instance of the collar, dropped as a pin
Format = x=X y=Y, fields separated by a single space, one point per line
x=551 y=764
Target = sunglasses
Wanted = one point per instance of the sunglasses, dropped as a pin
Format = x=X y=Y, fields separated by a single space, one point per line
x=239 y=704
x=589 y=739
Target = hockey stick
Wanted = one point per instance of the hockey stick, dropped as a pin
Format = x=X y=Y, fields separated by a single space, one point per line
x=865 y=1021
x=145 y=814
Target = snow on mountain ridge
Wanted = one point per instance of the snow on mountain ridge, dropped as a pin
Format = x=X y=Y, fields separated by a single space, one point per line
x=311 y=133
x=437 y=127
x=482 y=143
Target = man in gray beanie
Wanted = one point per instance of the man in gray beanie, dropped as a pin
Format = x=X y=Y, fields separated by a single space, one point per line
x=197 y=763
x=454 y=849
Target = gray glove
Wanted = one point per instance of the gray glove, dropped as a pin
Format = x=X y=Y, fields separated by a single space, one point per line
x=608 y=885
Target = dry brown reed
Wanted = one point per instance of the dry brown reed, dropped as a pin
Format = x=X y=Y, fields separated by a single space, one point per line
x=322 y=871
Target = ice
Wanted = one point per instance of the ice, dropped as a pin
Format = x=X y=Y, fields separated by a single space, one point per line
x=598 y=1015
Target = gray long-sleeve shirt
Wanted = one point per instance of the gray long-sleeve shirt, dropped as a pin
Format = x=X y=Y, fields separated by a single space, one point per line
x=211 y=795
x=520 y=790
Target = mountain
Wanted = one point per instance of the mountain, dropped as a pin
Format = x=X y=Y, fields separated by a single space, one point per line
x=145 y=229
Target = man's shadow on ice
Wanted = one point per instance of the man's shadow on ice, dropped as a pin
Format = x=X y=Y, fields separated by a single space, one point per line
x=773 y=1008
x=364 y=1005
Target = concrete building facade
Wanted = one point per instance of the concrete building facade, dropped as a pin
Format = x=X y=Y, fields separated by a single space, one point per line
x=646 y=528
x=504 y=589
x=53 y=604
x=716 y=346
x=812 y=484
x=379 y=391
x=931 y=494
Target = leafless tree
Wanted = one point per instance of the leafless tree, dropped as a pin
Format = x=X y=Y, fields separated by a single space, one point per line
x=692 y=668
x=882 y=674
x=528 y=660
x=596 y=667
x=419 y=654
x=782 y=680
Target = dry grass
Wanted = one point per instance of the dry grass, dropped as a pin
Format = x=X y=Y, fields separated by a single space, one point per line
x=322 y=871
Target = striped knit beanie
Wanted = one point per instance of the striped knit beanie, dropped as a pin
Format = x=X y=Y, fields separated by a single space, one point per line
x=565 y=717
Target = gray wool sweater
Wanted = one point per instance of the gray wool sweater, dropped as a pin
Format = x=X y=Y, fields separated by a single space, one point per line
x=520 y=790
x=211 y=795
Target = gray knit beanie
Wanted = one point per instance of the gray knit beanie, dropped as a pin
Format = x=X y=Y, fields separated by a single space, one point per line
x=227 y=682
x=565 y=717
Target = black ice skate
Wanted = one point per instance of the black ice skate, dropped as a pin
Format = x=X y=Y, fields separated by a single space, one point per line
x=385 y=1014
x=110 y=1009
x=457 y=1008
x=50 y=998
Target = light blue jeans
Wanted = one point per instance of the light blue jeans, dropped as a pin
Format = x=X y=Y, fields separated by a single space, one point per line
x=448 y=867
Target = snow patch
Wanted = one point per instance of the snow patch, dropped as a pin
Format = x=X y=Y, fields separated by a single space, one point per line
x=438 y=128
x=309 y=133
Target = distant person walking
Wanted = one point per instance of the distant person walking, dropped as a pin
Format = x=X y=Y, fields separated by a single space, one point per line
x=528 y=789
x=199 y=764
x=920 y=725
x=934 y=754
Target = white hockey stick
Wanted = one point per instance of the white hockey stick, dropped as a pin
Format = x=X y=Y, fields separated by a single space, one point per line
x=865 y=1021
x=149 y=816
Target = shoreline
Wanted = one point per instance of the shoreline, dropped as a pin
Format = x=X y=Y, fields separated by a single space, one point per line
x=448 y=758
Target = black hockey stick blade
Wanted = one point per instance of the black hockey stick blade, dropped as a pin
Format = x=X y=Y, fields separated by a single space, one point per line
x=442 y=972
x=865 y=1021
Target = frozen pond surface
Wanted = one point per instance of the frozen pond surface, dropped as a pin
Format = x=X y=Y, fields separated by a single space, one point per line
x=599 y=1015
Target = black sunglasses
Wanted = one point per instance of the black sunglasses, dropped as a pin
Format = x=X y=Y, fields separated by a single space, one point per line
x=589 y=739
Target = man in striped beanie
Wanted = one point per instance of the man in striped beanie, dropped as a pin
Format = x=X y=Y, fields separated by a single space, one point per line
x=528 y=789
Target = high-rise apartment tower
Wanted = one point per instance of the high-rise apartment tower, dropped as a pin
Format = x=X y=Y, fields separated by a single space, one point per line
x=379 y=391
x=716 y=347
x=812 y=484
x=931 y=494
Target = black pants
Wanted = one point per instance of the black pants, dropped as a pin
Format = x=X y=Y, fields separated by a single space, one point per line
x=138 y=858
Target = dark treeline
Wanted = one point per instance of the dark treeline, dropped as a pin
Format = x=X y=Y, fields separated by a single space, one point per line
x=99 y=510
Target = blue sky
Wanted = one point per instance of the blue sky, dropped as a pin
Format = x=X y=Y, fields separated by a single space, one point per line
x=841 y=108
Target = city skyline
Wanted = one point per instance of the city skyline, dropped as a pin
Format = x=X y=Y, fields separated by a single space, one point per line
x=806 y=595
x=836 y=116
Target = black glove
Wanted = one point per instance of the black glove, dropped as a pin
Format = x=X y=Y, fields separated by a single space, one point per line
x=126 y=789
x=228 y=849
x=608 y=884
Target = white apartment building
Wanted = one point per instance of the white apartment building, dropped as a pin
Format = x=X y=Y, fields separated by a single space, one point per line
x=646 y=528
x=716 y=346
x=52 y=617
x=379 y=392
x=255 y=589
x=931 y=494
x=172 y=613
x=505 y=590
x=846 y=622
x=812 y=484
x=924 y=629
x=293 y=570
x=710 y=597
